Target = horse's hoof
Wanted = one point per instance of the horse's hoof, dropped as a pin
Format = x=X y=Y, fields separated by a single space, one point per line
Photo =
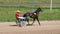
x=31 y=24
x=39 y=24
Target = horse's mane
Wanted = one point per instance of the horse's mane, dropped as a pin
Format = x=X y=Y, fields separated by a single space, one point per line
x=38 y=10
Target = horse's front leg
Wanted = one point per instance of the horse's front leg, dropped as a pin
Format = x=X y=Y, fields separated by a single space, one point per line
x=33 y=20
x=38 y=21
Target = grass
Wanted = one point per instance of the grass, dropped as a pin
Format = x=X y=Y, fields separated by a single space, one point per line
x=53 y=15
x=26 y=1
x=7 y=13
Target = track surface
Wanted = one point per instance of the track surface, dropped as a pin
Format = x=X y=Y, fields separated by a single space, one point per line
x=46 y=27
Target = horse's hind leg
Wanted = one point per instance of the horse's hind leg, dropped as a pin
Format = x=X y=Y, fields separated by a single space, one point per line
x=38 y=21
x=27 y=20
x=33 y=21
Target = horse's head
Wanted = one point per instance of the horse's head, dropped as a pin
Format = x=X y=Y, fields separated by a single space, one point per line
x=39 y=9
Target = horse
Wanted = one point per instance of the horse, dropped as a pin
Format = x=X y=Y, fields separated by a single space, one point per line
x=33 y=15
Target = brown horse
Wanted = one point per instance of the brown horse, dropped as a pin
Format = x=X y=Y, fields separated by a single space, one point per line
x=33 y=15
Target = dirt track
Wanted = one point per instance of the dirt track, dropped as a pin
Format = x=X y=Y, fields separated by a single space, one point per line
x=46 y=27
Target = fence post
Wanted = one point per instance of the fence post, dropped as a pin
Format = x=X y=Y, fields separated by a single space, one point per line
x=51 y=5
